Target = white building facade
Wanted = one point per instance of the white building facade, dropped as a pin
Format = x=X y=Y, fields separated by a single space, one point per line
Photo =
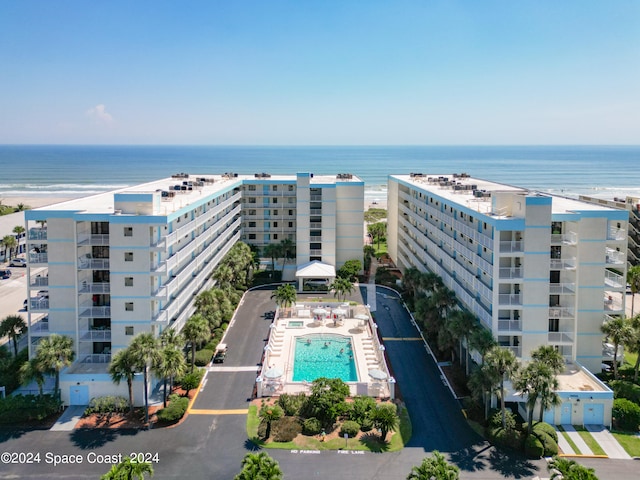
x=105 y=268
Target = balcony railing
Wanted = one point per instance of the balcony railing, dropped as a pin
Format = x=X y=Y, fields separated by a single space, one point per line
x=93 y=263
x=38 y=258
x=95 y=312
x=315 y=238
x=562 y=263
x=39 y=281
x=96 y=335
x=561 y=312
x=315 y=252
x=510 y=299
x=37 y=234
x=570 y=238
x=557 y=338
x=39 y=327
x=93 y=239
x=615 y=280
x=39 y=303
x=614 y=257
x=510 y=325
x=315 y=225
x=612 y=305
x=562 y=288
x=511 y=272
x=516 y=350
x=96 y=358
x=512 y=246
x=90 y=287
x=315 y=211
x=615 y=233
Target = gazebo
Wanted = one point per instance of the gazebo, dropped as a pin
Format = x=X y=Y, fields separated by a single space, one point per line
x=315 y=270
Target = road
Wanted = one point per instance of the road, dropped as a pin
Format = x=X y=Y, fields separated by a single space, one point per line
x=212 y=444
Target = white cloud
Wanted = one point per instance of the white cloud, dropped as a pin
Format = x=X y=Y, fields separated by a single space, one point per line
x=99 y=115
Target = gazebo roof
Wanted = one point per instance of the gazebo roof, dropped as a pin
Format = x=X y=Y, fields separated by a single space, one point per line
x=316 y=269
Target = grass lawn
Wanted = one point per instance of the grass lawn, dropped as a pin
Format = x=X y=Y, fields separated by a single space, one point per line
x=589 y=440
x=380 y=250
x=569 y=441
x=629 y=441
x=369 y=442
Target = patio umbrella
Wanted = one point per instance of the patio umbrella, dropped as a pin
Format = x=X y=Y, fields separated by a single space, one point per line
x=320 y=311
x=274 y=373
x=377 y=374
x=339 y=311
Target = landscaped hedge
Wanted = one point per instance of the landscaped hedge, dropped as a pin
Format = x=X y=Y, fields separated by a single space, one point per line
x=175 y=410
x=626 y=414
x=292 y=404
x=624 y=389
x=533 y=447
x=203 y=357
x=107 y=404
x=542 y=427
x=350 y=428
x=24 y=408
x=285 y=429
x=311 y=426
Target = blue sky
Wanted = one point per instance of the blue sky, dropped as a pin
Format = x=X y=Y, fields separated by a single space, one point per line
x=320 y=73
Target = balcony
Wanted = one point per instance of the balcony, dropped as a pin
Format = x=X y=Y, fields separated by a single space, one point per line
x=91 y=287
x=93 y=239
x=37 y=233
x=39 y=328
x=563 y=263
x=511 y=246
x=87 y=263
x=509 y=325
x=561 y=312
x=161 y=317
x=315 y=252
x=560 y=338
x=103 y=358
x=615 y=280
x=36 y=258
x=510 y=299
x=95 y=335
x=613 y=257
x=39 y=303
x=570 y=238
x=618 y=234
x=510 y=272
x=161 y=293
x=517 y=351
x=39 y=281
x=562 y=288
x=612 y=305
x=315 y=211
x=95 y=312
x=315 y=238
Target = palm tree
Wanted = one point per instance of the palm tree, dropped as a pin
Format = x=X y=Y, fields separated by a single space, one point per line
x=482 y=383
x=144 y=348
x=285 y=296
x=224 y=275
x=259 y=466
x=269 y=414
x=503 y=363
x=272 y=251
x=123 y=366
x=288 y=251
x=30 y=371
x=619 y=331
x=54 y=353
x=633 y=279
x=435 y=467
x=634 y=345
x=170 y=336
x=377 y=231
x=411 y=280
x=171 y=364
x=196 y=331
x=18 y=230
x=9 y=242
x=13 y=326
x=385 y=418
x=341 y=288
x=531 y=381
x=548 y=355
x=547 y=388
x=481 y=340
x=462 y=323
x=128 y=470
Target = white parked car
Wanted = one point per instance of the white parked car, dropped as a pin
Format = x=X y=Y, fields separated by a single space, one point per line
x=18 y=262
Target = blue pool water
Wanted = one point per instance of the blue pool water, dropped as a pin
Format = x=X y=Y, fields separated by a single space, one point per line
x=324 y=356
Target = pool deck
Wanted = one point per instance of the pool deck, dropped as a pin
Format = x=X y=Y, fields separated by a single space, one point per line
x=354 y=321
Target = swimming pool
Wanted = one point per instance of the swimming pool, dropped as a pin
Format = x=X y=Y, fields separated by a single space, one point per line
x=324 y=355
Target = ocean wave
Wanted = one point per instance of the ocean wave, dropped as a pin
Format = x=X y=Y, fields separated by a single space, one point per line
x=52 y=193
x=61 y=186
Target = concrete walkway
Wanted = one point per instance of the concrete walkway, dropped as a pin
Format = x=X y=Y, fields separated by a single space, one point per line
x=577 y=439
x=564 y=445
x=69 y=418
x=607 y=441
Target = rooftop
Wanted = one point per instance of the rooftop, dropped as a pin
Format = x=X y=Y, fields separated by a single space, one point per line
x=577 y=379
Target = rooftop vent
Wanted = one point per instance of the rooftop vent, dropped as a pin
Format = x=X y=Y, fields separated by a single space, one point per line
x=344 y=176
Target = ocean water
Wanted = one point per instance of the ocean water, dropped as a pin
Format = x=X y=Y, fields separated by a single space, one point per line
x=54 y=170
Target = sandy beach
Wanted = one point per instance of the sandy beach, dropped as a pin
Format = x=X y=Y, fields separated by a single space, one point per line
x=35 y=201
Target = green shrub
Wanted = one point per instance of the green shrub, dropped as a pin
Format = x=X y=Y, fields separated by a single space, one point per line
x=624 y=389
x=292 y=404
x=542 y=427
x=495 y=421
x=366 y=425
x=107 y=404
x=262 y=430
x=360 y=408
x=191 y=380
x=175 y=410
x=510 y=439
x=285 y=429
x=203 y=357
x=311 y=426
x=533 y=447
x=626 y=414
x=549 y=445
x=351 y=428
x=24 y=408
x=212 y=344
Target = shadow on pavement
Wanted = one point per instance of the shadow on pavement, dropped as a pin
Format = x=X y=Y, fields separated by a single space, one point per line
x=511 y=465
x=7 y=433
x=90 y=438
x=471 y=459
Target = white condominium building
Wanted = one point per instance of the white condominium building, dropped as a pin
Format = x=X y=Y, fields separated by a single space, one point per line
x=536 y=269
x=105 y=268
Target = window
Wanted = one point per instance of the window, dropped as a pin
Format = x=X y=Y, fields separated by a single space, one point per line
x=252 y=188
x=128 y=306
x=275 y=200
x=252 y=236
x=291 y=213
x=275 y=188
x=275 y=236
x=291 y=188
x=275 y=224
x=275 y=212
x=128 y=256
x=252 y=224
x=128 y=281
x=290 y=224
x=128 y=231
x=128 y=330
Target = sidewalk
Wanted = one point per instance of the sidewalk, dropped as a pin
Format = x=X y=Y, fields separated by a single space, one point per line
x=607 y=441
x=577 y=439
x=69 y=418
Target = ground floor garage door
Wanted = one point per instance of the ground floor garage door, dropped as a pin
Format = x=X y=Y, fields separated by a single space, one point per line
x=593 y=414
